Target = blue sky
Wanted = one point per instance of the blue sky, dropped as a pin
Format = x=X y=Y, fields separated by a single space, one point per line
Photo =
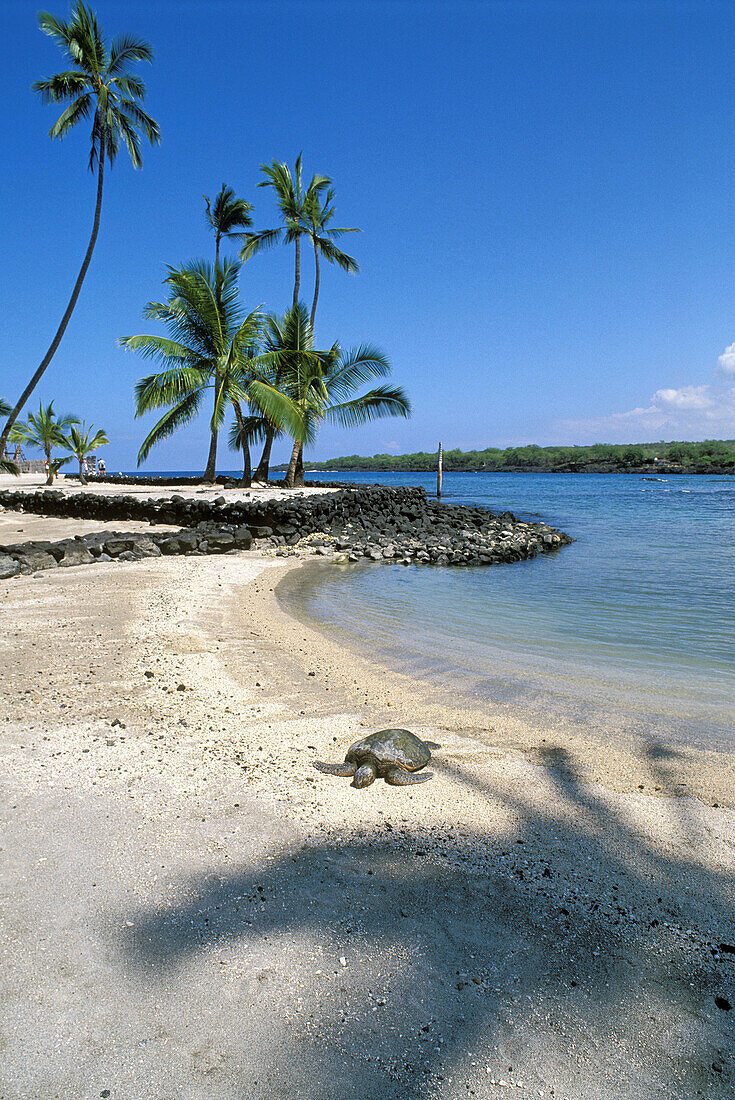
x=545 y=192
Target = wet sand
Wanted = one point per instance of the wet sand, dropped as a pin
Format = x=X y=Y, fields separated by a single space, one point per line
x=191 y=910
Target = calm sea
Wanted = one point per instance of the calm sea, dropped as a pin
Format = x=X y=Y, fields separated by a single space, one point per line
x=632 y=627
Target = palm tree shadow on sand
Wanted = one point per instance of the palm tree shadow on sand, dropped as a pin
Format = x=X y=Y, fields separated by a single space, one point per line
x=548 y=949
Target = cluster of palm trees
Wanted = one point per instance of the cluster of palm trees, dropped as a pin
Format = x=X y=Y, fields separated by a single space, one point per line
x=264 y=367
x=98 y=85
x=47 y=431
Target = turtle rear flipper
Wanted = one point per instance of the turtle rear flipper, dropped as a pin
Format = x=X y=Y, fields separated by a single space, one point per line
x=397 y=777
x=347 y=770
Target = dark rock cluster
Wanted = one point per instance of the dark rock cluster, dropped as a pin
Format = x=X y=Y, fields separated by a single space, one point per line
x=35 y=556
x=374 y=523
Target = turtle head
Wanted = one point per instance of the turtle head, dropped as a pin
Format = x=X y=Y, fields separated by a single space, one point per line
x=364 y=776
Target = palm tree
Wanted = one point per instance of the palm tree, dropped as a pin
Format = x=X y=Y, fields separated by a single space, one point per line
x=8 y=465
x=211 y=346
x=45 y=430
x=244 y=431
x=288 y=340
x=317 y=216
x=293 y=202
x=98 y=85
x=81 y=443
x=225 y=217
x=321 y=383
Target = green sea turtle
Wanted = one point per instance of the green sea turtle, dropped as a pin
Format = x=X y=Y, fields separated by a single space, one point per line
x=393 y=755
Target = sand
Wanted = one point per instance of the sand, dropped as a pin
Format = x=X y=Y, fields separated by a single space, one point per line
x=192 y=912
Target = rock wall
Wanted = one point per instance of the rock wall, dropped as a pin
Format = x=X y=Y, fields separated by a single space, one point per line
x=375 y=523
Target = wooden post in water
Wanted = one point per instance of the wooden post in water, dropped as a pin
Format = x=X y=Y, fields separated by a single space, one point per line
x=439 y=474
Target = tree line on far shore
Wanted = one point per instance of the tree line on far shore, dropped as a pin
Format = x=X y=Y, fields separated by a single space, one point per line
x=712 y=454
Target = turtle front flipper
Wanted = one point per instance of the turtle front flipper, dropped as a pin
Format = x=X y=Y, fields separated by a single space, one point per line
x=346 y=769
x=397 y=777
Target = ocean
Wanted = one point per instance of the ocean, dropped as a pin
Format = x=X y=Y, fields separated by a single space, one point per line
x=631 y=628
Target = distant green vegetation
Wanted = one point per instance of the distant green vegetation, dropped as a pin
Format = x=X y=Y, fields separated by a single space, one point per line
x=713 y=454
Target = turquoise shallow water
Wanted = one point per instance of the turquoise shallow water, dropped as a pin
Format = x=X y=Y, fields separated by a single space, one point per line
x=633 y=626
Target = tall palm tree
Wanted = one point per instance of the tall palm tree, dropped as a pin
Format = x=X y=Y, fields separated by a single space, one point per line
x=321 y=383
x=225 y=216
x=293 y=201
x=8 y=465
x=317 y=216
x=81 y=443
x=45 y=430
x=211 y=346
x=99 y=85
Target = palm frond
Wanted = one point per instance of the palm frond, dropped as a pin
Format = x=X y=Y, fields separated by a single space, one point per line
x=156 y=391
x=131 y=139
x=356 y=367
x=129 y=86
x=86 y=38
x=138 y=117
x=378 y=403
x=333 y=255
x=180 y=414
x=125 y=50
x=61 y=86
x=7 y=466
x=279 y=409
x=158 y=347
x=79 y=442
x=260 y=242
x=79 y=109
x=247 y=431
x=58 y=30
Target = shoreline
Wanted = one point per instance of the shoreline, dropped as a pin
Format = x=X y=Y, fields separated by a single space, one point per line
x=261 y=927
x=705 y=774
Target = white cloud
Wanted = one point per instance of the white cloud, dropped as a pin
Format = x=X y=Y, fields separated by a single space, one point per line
x=689 y=412
x=726 y=362
x=686 y=412
x=687 y=397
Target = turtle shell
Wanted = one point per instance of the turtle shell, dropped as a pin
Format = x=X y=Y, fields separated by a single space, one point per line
x=390 y=749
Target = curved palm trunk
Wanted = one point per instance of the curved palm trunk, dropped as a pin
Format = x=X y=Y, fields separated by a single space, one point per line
x=212 y=457
x=246 y=467
x=246 y=478
x=297 y=277
x=82 y=475
x=316 y=284
x=65 y=319
x=50 y=475
x=289 y=480
x=298 y=477
x=210 y=470
x=261 y=474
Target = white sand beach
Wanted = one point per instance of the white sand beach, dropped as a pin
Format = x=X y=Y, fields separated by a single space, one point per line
x=190 y=910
